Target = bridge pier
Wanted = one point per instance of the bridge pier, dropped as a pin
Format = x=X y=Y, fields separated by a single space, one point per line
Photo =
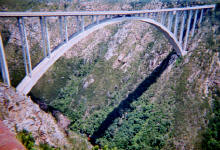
x=61 y=28
x=66 y=31
x=23 y=47
x=82 y=24
x=97 y=19
x=47 y=37
x=187 y=30
x=27 y=47
x=4 y=66
x=170 y=20
x=77 y=23
x=200 y=18
x=194 y=22
x=43 y=36
x=163 y=18
x=155 y=16
x=176 y=23
x=182 y=28
x=93 y=20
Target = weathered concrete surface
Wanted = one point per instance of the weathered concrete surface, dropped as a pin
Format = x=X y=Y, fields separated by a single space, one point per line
x=28 y=82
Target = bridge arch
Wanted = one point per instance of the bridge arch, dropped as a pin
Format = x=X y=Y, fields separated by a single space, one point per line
x=28 y=82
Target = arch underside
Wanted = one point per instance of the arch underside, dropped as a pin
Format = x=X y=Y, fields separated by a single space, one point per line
x=28 y=82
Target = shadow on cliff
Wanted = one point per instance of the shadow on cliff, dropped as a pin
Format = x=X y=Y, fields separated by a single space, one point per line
x=125 y=104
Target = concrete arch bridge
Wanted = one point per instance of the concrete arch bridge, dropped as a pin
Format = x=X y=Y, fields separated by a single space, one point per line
x=175 y=23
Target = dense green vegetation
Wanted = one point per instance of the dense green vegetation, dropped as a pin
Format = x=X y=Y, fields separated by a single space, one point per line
x=28 y=141
x=211 y=139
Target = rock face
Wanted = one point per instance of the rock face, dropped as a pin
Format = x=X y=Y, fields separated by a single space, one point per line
x=18 y=112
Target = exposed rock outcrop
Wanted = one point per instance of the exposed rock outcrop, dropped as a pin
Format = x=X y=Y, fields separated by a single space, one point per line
x=18 y=112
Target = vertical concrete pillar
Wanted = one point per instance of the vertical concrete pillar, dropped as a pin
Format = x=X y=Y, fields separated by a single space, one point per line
x=93 y=19
x=82 y=24
x=163 y=18
x=176 y=23
x=66 y=29
x=187 y=30
x=23 y=46
x=47 y=37
x=182 y=27
x=4 y=66
x=43 y=36
x=77 y=23
x=194 y=22
x=27 y=47
x=2 y=70
x=200 y=18
x=61 y=28
x=97 y=19
x=170 y=20
x=155 y=16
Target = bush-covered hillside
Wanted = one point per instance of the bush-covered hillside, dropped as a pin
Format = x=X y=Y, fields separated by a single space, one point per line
x=123 y=87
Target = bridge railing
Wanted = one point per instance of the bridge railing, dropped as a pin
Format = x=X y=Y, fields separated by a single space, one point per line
x=177 y=20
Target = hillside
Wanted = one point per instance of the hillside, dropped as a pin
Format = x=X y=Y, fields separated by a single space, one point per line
x=123 y=87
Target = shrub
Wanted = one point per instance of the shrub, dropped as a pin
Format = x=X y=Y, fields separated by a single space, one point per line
x=27 y=139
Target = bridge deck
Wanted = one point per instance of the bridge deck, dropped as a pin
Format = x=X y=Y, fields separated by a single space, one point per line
x=90 y=13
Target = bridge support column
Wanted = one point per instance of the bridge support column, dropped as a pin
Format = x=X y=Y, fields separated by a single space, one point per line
x=182 y=28
x=4 y=66
x=170 y=20
x=66 y=32
x=97 y=19
x=200 y=18
x=194 y=22
x=43 y=36
x=187 y=30
x=47 y=37
x=27 y=47
x=176 y=24
x=155 y=16
x=93 y=20
x=163 y=18
x=82 y=24
x=77 y=23
x=61 y=28
x=23 y=47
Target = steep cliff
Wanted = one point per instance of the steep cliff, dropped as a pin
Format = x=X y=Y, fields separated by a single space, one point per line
x=19 y=113
x=123 y=87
